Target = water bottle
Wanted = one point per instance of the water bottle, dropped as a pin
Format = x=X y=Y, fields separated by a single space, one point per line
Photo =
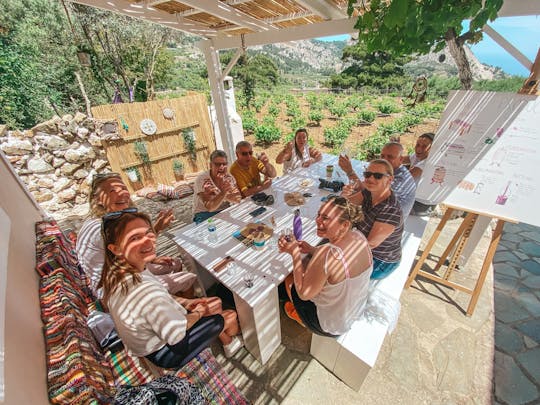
x=212 y=231
x=297 y=225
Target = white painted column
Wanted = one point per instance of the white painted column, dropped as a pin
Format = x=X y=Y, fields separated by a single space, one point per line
x=218 y=96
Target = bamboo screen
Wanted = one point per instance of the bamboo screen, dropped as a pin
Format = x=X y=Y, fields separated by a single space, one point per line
x=166 y=145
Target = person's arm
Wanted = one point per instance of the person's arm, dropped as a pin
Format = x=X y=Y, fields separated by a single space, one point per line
x=309 y=280
x=163 y=220
x=350 y=193
x=285 y=154
x=315 y=154
x=379 y=232
x=268 y=169
x=346 y=165
x=416 y=172
x=256 y=189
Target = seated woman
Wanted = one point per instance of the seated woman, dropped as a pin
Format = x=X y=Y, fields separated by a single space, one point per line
x=108 y=193
x=383 y=220
x=302 y=155
x=329 y=291
x=148 y=319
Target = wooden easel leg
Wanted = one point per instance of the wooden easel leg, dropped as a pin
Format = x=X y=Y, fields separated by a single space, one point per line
x=485 y=266
x=461 y=244
x=457 y=236
x=429 y=245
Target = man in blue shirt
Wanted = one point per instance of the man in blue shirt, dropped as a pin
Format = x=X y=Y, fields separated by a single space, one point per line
x=403 y=186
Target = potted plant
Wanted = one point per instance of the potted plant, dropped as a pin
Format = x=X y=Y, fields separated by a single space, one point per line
x=141 y=151
x=133 y=174
x=178 y=169
x=189 y=141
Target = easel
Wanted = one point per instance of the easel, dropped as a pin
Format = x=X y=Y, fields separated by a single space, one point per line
x=458 y=242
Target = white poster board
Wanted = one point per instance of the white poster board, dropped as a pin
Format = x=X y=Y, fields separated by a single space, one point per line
x=486 y=156
x=5 y=226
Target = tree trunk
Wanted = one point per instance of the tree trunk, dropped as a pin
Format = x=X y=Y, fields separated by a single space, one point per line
x=455 y=46
x=85 y=96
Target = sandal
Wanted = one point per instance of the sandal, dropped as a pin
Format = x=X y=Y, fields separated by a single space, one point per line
x=290 y=310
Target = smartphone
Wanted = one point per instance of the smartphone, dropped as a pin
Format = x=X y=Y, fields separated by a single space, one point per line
x=257 y=211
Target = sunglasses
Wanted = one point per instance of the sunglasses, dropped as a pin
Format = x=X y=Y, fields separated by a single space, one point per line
x=219 y=164
x=112 y=216
x=247 y=153
x=377 y=176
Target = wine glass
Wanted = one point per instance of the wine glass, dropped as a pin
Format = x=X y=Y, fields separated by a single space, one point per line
x=248 y=279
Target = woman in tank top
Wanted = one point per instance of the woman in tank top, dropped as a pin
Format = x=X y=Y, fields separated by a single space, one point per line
x=298 y=153
x=329 y=290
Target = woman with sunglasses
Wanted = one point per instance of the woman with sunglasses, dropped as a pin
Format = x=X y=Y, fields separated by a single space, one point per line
x=299 y=155
x=329 y=290
x=383 y=219
x=148 y=319
x=108 y=193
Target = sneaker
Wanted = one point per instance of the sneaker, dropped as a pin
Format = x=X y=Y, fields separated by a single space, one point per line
x=236 y=344
x=290 y=310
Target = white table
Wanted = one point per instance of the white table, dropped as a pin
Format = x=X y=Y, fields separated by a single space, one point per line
x=257 y=307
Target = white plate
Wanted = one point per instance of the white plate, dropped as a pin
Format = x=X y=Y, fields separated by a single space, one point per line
x=305 y=183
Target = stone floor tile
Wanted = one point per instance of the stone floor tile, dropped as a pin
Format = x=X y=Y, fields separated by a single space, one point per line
x=511 y=385
x=455 y=352
x=505 y=283
x=532 y=266
x=528 y=300
x=529 y=343
x=531 y=281
x=530 y=248
x=508 y=339
x=531 y=328
x=510 y=237
x=508 y=269
x=534 y=235
x=501 y=257
x=507 y=309
x=530 y=360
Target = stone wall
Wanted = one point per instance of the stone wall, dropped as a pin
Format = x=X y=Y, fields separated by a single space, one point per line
x=58 y=158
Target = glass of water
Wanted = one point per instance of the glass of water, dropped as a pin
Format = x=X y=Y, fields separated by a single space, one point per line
x=248 y=279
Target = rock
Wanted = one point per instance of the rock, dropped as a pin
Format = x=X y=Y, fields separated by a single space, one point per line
x=39 y=165
x=82 y=132
x=42 y=196
x=99 y=164
x=61 y=184
x=46 y=182
x=94 y=140
x=81 y=154
x=79 y=117
x=80 y=199
x=57 y=162
x=49 y=127
x=47 y=157
x=66 y=195
x=84 y=188
x=28 y=133
x=80 y=174
x=3 y=129
x=17 y=134
x=69 y=168
x=67 y=118
x=55 y=143
x=17 y=147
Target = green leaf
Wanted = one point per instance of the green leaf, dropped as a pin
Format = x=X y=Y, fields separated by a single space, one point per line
x=396 y=11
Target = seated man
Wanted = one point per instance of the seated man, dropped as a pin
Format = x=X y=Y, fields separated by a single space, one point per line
x=418 y=159
x=215 y=189
x=247 y=170
x=403 y=185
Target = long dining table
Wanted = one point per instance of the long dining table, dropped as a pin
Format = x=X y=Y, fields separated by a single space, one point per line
x=257 y=303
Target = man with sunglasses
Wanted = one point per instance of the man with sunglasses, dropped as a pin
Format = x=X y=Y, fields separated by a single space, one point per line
x=247 y=170
x=403 y=186
x=215 y=189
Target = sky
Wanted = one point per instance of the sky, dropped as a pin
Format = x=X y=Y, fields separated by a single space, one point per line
x=522 y=32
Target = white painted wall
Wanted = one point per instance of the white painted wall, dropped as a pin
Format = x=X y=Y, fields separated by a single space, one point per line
x=24 y=368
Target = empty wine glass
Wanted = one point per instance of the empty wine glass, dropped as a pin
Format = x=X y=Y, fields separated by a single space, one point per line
x=248 y=279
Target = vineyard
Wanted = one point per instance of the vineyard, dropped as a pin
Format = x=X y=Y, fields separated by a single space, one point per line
x=361 y=124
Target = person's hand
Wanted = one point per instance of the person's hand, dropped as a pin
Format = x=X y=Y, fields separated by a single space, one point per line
x=191 y=304
x=305 y=247
x=263 y=157
x=285 y=246
x=345 y=164
x=163 y=260
x=210 y=188
x=163 y=220
x=306 y=163
x=348 y=190
x=266 y=183
x=288 y=147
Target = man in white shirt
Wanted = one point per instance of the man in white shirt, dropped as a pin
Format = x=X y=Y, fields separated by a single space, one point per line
x=417 y=160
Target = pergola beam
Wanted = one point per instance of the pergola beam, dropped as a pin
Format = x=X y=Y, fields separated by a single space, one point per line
x=519 y=8
x=296 y=33
x=325 y=9
x=508 y=47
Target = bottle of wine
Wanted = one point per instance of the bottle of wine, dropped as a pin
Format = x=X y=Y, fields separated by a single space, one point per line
x=297 y=225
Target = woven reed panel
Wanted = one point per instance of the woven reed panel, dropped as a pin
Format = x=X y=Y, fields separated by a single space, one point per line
x=166 y=145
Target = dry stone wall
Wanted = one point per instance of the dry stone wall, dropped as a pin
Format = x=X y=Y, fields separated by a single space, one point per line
x=58 y=158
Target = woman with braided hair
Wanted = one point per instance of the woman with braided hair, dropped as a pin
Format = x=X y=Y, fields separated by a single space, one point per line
x=148 y=319
x=329 y=291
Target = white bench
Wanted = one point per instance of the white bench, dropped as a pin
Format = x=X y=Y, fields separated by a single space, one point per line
x=351 y=356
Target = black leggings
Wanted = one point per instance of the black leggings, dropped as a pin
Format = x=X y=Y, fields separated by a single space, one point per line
x=307 y=311
x=197 y=338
